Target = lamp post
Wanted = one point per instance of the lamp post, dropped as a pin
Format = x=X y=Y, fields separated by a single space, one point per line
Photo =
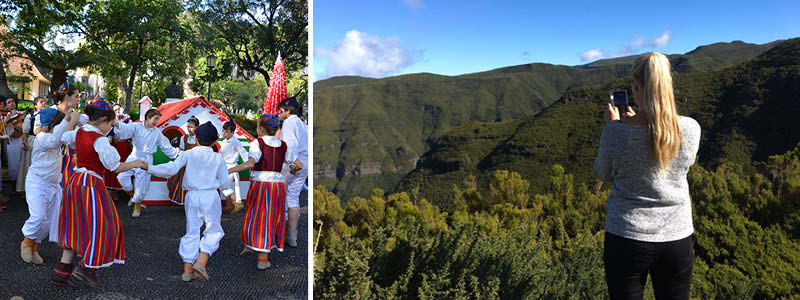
x=211 y=61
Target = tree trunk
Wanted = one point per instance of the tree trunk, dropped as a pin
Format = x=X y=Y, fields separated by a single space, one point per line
x=129 y=89
x=4 y=90
x=59 y=77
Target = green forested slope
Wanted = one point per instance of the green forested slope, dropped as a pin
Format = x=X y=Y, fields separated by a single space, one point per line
x=371 y=132
x=747 y=113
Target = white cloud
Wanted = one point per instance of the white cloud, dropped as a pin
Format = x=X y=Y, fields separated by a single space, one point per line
x=661 y=41
x=415 y=4
x=592 y=55
x=359 y=53
x=635 y=45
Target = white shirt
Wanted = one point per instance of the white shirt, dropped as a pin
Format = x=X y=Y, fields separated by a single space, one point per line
x=295 y=134
x=26 y=125
x=231 y=150
x=205 y=169
x=46 y=155
x=108 y=154
x=183 y=144
x=145 y=141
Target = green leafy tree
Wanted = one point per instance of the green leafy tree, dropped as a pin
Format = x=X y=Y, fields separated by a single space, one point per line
x=256 y=31
x=134 y=36
x=42 y=31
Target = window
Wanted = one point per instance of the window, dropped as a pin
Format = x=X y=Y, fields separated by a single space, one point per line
x=44 y=89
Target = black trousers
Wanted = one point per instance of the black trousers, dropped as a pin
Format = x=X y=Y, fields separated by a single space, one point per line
x=627 y=263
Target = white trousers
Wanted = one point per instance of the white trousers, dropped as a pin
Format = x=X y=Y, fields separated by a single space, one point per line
x=202 y=208
x=44 y=202
x=234 y=177
x=142 y=179
x=294 y=185
x=14 y=156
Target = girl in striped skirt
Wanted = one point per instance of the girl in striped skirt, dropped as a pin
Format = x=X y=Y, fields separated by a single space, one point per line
x=88 y=221
x=264 y=222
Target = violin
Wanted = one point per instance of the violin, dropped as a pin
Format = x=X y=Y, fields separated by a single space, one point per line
x=16 y=122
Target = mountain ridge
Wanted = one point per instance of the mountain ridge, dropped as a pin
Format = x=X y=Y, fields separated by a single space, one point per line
x=371 y=132
x=745 y=113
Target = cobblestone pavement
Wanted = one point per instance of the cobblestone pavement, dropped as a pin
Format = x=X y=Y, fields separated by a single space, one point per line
x=152 y=266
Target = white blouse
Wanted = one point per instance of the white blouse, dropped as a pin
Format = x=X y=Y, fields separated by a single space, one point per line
x=255 y=153
x=107 y=153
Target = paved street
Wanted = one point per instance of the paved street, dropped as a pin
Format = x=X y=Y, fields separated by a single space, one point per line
x=153 y=267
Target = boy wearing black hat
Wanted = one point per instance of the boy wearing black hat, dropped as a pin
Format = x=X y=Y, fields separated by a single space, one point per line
x=295 y=133
x=202 y=202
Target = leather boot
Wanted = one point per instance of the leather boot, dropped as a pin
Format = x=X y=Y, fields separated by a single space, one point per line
x=87 y=275
x=61 y=276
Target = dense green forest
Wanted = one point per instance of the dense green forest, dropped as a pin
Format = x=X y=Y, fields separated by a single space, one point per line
x=371 y=132
x=510 y=243
x=510 y=210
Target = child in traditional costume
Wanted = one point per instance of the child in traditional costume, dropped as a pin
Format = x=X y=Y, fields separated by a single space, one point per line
x=231 y=150
x=88 y=220
x=176 y=192
x=295 y=133
x=264 y=223
x=43 y=183
x=147 y=138
x=208 y=173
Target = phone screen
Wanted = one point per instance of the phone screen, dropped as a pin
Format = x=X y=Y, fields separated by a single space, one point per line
x=620 y=98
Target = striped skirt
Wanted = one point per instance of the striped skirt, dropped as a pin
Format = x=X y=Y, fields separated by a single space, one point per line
x=264 y=223
x=175 y=186
x=67 y=164
x=88 y=222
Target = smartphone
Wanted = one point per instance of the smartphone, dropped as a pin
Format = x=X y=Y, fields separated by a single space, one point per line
x=620 y=99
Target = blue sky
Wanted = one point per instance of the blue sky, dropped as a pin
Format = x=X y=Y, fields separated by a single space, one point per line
x=385 y=38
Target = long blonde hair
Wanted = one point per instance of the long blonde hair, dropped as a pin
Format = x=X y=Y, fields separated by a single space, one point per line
x=651 y=74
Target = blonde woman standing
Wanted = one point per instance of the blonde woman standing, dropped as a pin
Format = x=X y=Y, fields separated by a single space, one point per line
x=647 y=154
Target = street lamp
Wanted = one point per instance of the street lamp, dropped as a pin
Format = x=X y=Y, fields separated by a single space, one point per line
x=211 y=61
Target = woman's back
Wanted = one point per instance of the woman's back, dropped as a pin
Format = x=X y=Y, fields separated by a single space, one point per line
x=646 y=204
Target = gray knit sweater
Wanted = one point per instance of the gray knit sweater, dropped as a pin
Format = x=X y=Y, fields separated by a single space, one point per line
x=646 y=204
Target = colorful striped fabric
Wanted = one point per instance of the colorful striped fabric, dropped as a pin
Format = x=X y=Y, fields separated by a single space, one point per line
x=264 y=223
x=88 y=222
x=67 y=164
x=175 y=186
